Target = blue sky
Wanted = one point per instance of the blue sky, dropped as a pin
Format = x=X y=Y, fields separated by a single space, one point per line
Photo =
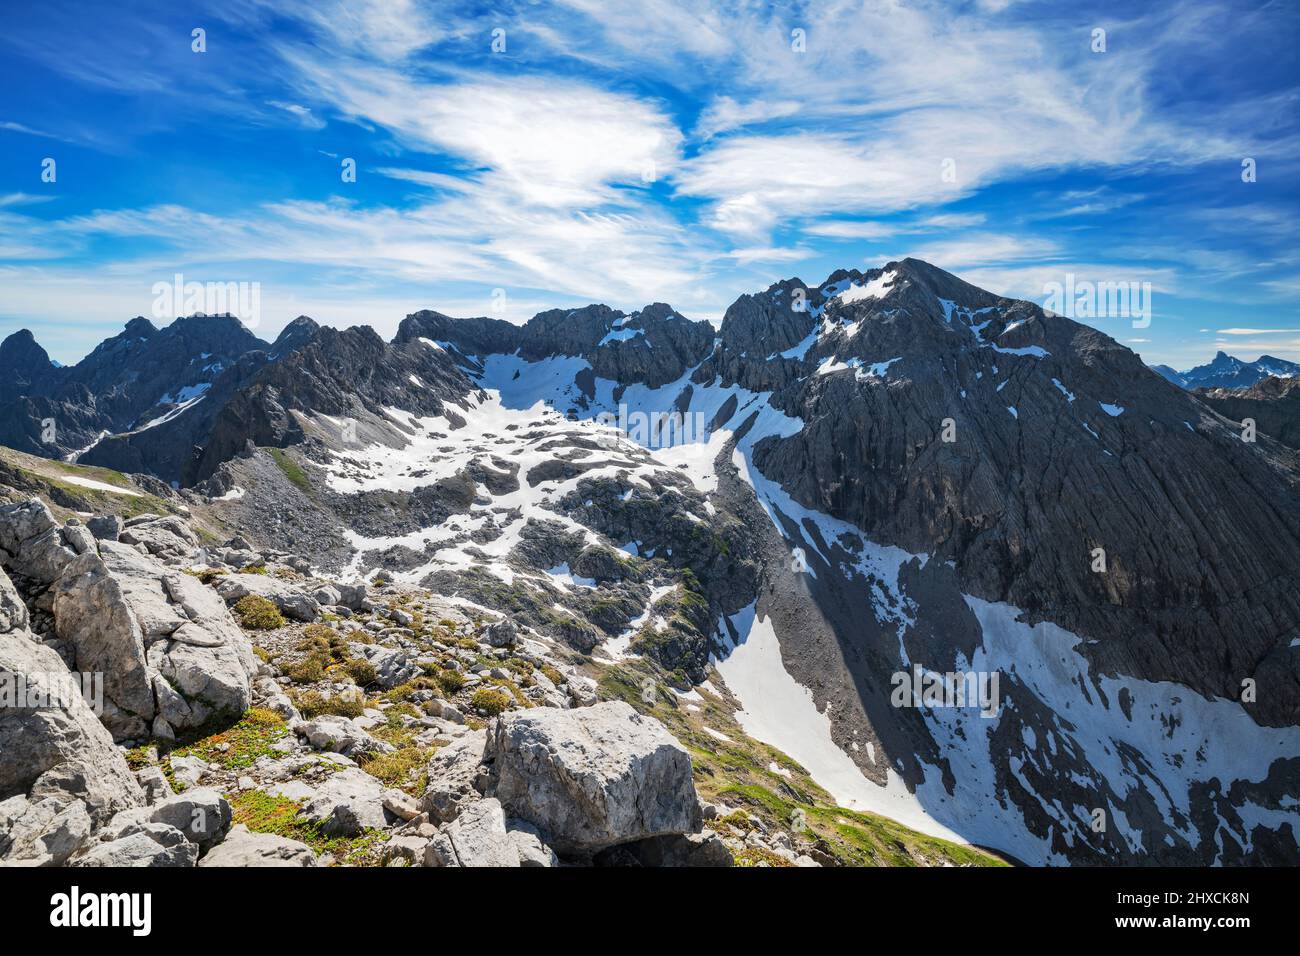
x=656 y=151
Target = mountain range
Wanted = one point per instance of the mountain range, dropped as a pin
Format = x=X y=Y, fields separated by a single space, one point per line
x=890 y=475
x=1224 y=371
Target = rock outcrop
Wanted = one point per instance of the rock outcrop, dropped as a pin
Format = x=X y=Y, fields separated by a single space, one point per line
x=592 y=778
x=170 y=655
x=59 y=771
x=242 y=848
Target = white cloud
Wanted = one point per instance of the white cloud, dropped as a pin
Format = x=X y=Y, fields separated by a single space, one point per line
x=862 y=121
x=724 y=114
x=768 y=254
x=955 y=220
x=1252 y=331
x=385 y=29
x=980 y=249
x=758 y=181
x=21 y=128
x=22 y=199
x=301 y=113
x=852 y=229
x=544 y=141
x=425 y=178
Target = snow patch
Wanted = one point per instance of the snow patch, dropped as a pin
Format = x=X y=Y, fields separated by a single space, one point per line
x=98 y=485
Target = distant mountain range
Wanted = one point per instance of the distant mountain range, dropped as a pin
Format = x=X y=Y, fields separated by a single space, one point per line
x=1225 y=371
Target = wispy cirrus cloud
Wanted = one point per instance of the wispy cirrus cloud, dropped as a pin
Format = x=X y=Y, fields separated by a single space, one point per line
x=1253 y=331
x=565 y=144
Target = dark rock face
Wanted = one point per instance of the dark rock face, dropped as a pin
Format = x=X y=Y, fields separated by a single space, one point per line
x=129 y=380
x=1063 y=442
x=248 y=394
x=654 y=346
x=340 y=374
x=470 y=337
x=24 y=365
x=172 y=449
x=1274 y=404
x=294 y=336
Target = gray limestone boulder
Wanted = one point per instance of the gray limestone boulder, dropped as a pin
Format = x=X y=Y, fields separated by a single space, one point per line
x=593 y=777
x=243 y=848
x=146 y=844
x=53 y=744
x=341 y=735
x=169 y=538
x=478 y=837
x=165 y=643
x=41 y=833
x=392 y=666
x=348 y=802
x=454 y=775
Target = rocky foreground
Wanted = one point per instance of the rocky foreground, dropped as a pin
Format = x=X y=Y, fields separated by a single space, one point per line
x=251 y=714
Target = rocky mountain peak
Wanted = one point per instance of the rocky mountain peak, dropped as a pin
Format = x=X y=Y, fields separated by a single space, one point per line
x=20 y=352
x=23 y=364
x=294 y=336
x=474 y=336
x=140 y=327
x=217 y=334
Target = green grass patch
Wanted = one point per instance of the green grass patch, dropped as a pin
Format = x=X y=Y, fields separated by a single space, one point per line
x=491 y=702
x=207 y=575
x=256 y=613
x=757 y=856
x=312 y=703
x=137 y=758
x=309 y=670
x=450 y=681
x=404 y=768
x=361 y=671
x=292 y=470
x=244 y=743
x=401 y=694
x=262 y=812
